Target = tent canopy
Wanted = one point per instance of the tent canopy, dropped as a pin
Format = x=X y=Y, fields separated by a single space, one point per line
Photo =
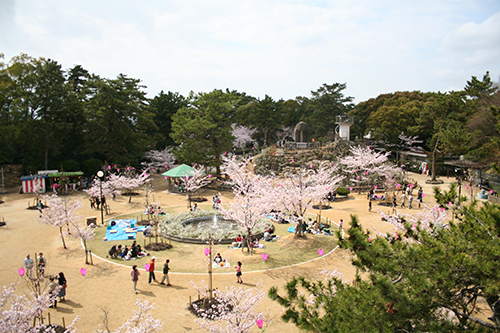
x=182 y=170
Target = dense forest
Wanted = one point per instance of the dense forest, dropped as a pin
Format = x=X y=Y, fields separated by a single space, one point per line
x=53 y=118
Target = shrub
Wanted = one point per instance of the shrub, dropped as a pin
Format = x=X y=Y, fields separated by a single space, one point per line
x=343 y=191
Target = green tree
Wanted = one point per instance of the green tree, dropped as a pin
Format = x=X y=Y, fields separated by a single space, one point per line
x=117 y=120
x=163 y=107
x=429 y=278
x=203 y=129
x=264 y=115
x=325 y=104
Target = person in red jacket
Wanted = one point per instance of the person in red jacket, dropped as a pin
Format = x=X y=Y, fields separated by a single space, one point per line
x=152 y=270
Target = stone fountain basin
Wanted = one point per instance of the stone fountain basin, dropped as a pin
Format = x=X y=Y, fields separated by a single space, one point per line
x=208 y=220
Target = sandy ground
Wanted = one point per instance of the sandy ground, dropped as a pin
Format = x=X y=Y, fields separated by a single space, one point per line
x=108 y=286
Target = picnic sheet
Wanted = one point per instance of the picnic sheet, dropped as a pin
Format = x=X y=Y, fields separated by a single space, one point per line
x=122 y=230
x=223 y=264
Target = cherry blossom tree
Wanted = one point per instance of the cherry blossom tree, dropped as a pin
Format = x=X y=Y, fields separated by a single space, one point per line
x=252 y=197
x=61 y=213
x=196 y=180
x=141 y=321
x=21 y=313
x=429 y=219
x=107 y=189
x=128 y=180
x=233 y=310
x=242 y=136
x=159 y=159
x=363 y=164
x=296 y=192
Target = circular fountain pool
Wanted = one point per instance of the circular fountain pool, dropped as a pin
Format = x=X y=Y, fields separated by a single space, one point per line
x=189 y=228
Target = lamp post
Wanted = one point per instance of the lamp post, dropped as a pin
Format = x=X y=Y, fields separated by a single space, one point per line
x=100 y=174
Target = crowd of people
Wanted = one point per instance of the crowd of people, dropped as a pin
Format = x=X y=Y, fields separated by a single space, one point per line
x=133 y=251
x=35 y=270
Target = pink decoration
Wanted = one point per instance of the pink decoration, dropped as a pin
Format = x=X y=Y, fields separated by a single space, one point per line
x=115 y=166
x=366 y=173
x=214 y=157
x=437 y=209
x=260 y=322
x=466 y=187
x=83 y=271
x=414 y=226
x=275 y=152
x=252 y=148
x=353 y=171
x=320 y=251
x=225 y=153
x=330 y=165
x=423 y=195
x=187 y=177
x=357 y=177
x=128 y=168
x=369 y=239
x=109 y=167
x=411 y=185
x=491 y=192
x=311 y=166
x=375 y=186
x=293 y=160
x=118 y=170
x=398 y=185
x=166 y=177
x=350 y=189
x=449 y=203
x=442 y=210
x=209 y=176
x=207 y=252
x=21 y=271
x=146 y=267
x=264 y=256
x=166 y=166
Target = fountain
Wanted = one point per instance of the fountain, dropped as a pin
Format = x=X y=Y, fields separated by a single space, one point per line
x=195 y=228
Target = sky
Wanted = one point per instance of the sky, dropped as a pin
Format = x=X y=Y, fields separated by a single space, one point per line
x=280 y=48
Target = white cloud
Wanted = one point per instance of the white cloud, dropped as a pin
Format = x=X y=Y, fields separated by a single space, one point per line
x=280 y=48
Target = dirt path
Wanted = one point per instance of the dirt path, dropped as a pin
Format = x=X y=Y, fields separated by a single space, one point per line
x=107 y=285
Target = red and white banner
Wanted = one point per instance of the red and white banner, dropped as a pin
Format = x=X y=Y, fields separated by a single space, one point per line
x=30 y=185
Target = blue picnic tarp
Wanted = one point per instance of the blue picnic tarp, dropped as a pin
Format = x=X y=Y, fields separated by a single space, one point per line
x=120 y=227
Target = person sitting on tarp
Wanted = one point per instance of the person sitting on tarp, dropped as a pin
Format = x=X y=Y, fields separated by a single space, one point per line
x=148 y=232
x=218 y=258
x=113 y=252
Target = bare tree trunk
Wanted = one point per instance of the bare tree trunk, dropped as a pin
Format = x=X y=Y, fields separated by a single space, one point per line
x=434 y=156
x=62 y=237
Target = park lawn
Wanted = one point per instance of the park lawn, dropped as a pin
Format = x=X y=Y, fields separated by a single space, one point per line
x=190 y=258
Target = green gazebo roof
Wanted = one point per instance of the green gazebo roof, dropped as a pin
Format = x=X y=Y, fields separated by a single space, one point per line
x=180 y=171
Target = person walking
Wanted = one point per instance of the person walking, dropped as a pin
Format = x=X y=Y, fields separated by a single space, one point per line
x=238 y=272
x=134 y=274
x=166 y=268
x=403 y=200
x=370 y=205
x=41 y=263
x=52 y=291
x=420 y=197
x=28 y=265
x=151 y=270
x=410 y=200
x=61 y=280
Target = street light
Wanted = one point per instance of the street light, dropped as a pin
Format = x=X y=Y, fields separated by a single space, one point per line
x=100 y=174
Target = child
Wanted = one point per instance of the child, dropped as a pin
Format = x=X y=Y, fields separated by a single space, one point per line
x=238 y=272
